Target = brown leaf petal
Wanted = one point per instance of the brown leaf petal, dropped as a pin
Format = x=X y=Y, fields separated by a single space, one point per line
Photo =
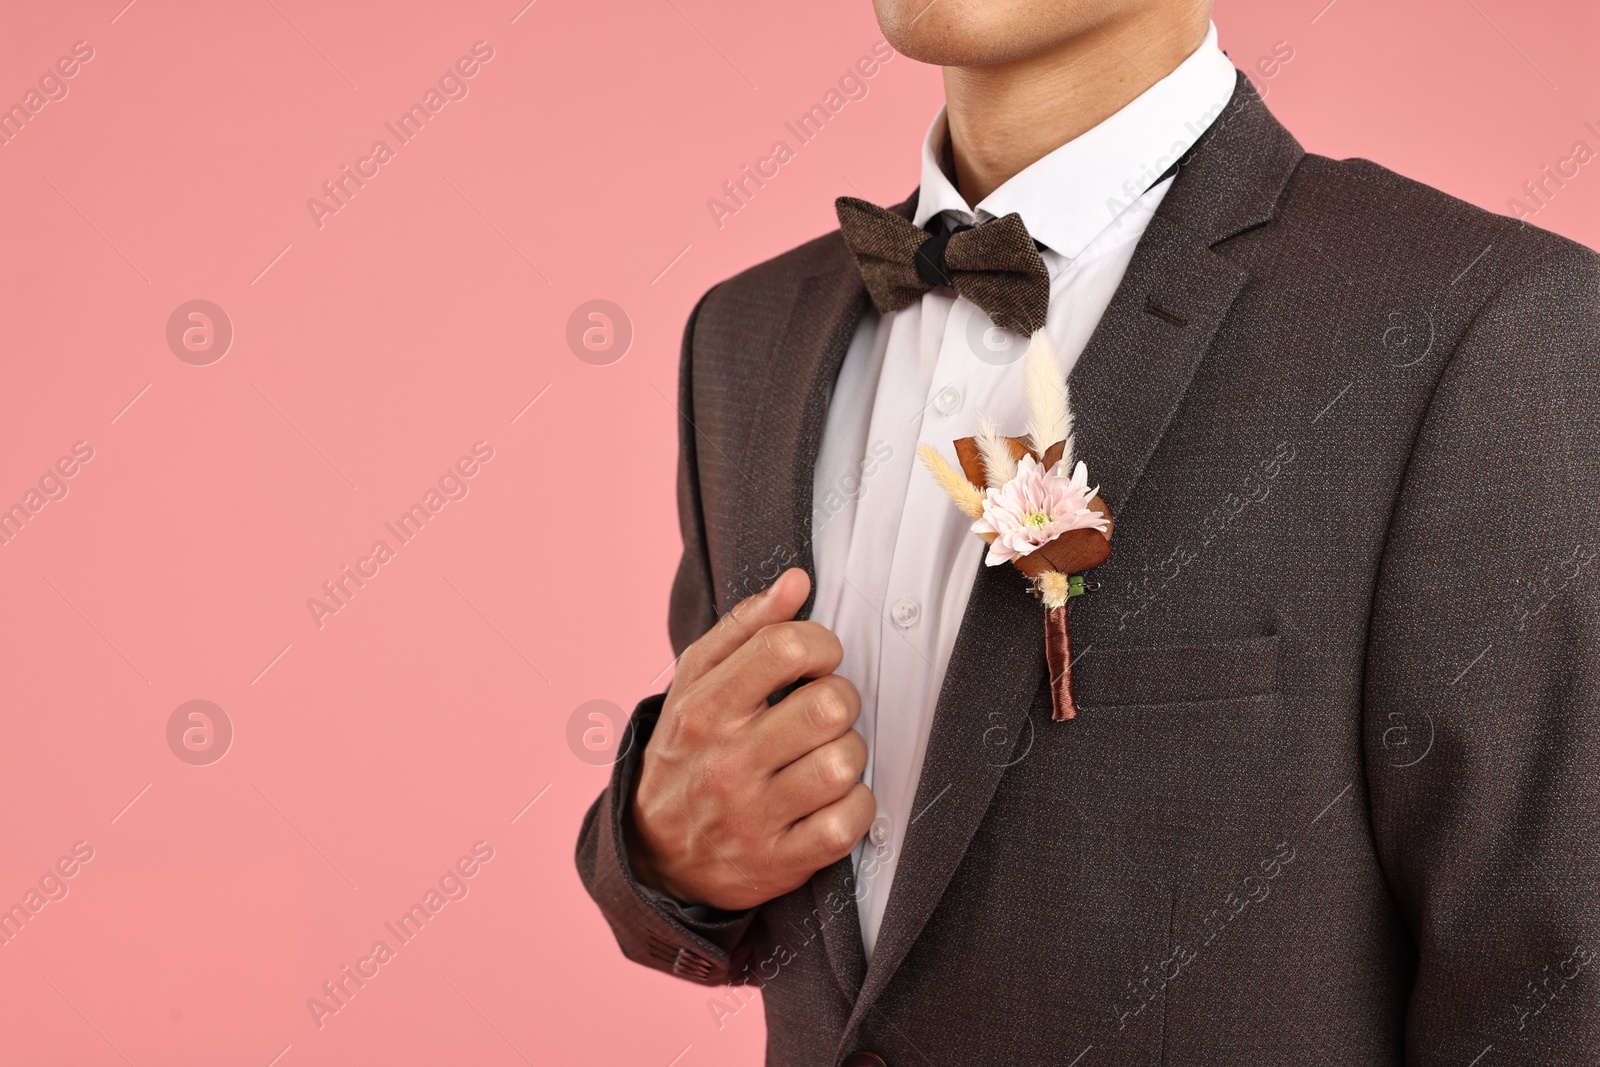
x=1019 y=448
x=971 y=462
x=971 y=458
x=1099 y=505
x=1072 y=553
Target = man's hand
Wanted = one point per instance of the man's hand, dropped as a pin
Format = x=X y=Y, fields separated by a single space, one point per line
x=738 y=800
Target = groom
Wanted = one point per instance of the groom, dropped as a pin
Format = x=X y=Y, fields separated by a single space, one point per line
x=1332 y=793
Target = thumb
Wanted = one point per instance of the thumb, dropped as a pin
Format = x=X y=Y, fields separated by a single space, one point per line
x=778 y=602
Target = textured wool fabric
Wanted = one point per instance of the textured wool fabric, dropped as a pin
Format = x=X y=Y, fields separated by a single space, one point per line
x=1332 y=792
x=995 y=265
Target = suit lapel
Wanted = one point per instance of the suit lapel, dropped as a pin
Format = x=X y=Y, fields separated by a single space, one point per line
x=775 y=530
x=825 y=308
x=1126 y=387
x=780 y=453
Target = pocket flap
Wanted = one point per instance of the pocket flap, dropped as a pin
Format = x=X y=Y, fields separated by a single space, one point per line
x=1177 y=674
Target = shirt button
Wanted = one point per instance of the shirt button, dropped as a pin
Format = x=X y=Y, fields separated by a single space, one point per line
x=947 y=400
x=905 y=613
x=879 y=833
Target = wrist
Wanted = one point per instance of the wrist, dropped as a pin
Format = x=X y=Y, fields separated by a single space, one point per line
x=641 y=859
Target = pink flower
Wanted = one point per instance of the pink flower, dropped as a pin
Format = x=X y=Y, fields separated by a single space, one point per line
x=1035 y=507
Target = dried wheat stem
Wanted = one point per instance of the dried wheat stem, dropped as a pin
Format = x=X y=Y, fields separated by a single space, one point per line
x=967 y=497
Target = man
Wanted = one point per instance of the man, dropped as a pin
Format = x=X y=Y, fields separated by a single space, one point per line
x=1330 y=796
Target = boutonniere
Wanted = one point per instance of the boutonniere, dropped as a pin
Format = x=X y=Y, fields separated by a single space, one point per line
x=1030 y=499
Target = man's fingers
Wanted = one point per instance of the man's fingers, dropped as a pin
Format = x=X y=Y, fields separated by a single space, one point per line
x=776 y=603
x=817 y=779
x=784 y=781
x=828 y=834
x=776 y=655
x=806 y=719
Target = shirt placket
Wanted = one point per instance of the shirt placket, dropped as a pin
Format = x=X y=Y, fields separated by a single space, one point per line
x=928 y=548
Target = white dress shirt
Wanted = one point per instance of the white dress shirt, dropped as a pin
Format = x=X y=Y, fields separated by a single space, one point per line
x=895 y=560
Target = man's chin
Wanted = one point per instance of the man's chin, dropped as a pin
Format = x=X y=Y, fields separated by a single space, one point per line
x=958 y=33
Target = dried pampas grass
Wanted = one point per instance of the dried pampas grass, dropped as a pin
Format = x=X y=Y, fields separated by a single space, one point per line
x=1054 y=588
x=1049 y=411
x=967 y=497
x=999 y=465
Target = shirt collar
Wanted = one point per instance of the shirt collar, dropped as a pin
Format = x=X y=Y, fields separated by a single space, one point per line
x=1071 y=195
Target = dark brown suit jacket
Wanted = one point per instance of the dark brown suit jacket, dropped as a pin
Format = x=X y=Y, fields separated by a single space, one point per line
x=1332 y=795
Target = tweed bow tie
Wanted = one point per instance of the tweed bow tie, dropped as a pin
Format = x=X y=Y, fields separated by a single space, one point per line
x=994 y=264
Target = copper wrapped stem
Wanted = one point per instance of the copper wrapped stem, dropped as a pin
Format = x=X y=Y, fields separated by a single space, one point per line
x=1058 y=656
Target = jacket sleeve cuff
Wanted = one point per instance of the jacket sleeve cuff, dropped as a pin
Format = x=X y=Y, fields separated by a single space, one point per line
x=695 y=942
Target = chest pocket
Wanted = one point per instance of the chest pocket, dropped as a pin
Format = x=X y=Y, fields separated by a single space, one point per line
x=1176 y=675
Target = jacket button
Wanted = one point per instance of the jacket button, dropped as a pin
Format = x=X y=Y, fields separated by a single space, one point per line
x=864 y=1059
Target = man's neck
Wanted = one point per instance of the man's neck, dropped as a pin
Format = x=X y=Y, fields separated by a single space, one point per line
x=1004 y=117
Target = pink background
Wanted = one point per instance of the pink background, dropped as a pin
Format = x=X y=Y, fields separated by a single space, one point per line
x=368 y=355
